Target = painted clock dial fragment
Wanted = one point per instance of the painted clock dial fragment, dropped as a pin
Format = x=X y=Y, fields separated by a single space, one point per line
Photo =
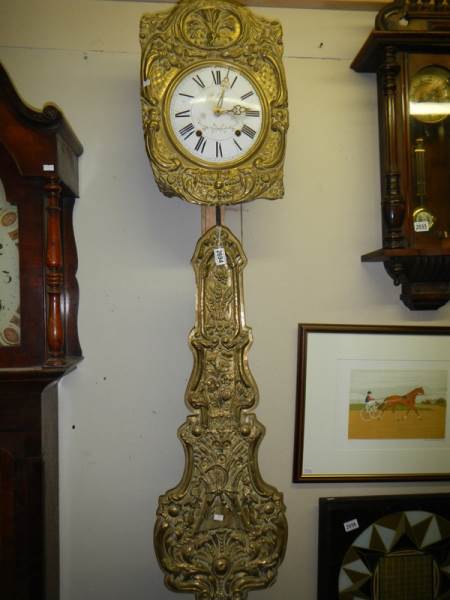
x=9 y=273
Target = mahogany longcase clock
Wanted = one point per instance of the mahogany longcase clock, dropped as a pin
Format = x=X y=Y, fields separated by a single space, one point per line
x=38 y=334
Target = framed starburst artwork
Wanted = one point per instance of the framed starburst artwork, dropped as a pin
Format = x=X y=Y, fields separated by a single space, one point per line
x=384 y=547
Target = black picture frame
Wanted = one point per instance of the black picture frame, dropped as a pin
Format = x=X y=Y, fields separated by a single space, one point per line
x=343 y=519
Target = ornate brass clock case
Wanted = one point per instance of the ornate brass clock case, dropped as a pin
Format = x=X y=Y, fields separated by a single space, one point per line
x=409 y=50
x=214 y=102
x=214 y=107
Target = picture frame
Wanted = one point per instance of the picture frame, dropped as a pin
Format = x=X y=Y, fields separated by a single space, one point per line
x=363 y=538
x=372 y=403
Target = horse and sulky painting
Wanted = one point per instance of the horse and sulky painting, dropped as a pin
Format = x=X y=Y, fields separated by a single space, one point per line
x=391 y=408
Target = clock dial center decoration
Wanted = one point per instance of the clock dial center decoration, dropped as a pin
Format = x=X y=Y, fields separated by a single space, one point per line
x=9 y=273
x=214 y=102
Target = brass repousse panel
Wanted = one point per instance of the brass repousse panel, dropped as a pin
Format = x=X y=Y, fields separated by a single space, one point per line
x=222 y=531
x=211 y=32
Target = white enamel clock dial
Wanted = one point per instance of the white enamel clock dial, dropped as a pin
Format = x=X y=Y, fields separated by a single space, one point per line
x=9 y=273
x=216 y=114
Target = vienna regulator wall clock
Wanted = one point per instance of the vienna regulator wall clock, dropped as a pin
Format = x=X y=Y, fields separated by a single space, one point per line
x=214 y=106
x=409 y=50
x=38 y=334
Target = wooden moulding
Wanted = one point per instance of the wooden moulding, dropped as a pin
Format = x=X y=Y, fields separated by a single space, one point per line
x=324 y=4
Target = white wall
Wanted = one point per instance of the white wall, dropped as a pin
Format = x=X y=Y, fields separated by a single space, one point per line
x=121 y=408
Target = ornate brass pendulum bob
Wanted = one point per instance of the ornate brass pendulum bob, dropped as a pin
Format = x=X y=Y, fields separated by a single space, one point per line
x=214 y=105
x=222 y=530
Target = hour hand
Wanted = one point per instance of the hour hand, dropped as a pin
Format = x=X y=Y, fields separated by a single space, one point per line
x=235 y=110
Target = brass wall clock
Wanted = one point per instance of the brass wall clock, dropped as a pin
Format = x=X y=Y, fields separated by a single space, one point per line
x=409 y=50
x=214 y=102
x=214 y=106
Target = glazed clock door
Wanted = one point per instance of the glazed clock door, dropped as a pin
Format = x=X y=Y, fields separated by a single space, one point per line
x=429 y=130
x=22 y=268
x=9 y=273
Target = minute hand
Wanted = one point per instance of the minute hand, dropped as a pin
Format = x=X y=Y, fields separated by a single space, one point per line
x=218 y=108
x=224 y=85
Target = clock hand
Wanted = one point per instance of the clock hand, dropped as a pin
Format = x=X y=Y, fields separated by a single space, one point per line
x=224 y=85
x=218 y=107
x=236 y=110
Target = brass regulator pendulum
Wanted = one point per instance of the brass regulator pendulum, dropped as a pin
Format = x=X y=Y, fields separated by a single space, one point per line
x=214 y=106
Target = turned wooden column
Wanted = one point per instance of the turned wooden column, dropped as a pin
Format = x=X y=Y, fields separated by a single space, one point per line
x=393 y=205
x=54 y=273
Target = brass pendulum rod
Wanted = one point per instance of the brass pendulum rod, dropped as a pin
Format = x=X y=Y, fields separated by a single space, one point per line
x=211 y=216
x=419 y=156
x=423 y=219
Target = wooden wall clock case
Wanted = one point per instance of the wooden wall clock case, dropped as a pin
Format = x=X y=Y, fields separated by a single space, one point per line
x=38 y=334
x=409 y=50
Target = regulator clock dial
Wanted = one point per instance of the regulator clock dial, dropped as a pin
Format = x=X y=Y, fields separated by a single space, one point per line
x=429 y=94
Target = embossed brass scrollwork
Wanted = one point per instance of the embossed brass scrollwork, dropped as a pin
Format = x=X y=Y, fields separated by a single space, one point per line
x=222 y=531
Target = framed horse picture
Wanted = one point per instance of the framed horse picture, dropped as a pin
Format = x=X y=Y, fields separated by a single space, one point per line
x=372 y=403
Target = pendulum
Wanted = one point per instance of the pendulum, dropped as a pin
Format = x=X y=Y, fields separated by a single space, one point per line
x=222 y=531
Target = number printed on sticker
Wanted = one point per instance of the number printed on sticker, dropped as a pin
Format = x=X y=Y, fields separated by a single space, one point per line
x=220 y=257
x=421 y=226
x=351 y=525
